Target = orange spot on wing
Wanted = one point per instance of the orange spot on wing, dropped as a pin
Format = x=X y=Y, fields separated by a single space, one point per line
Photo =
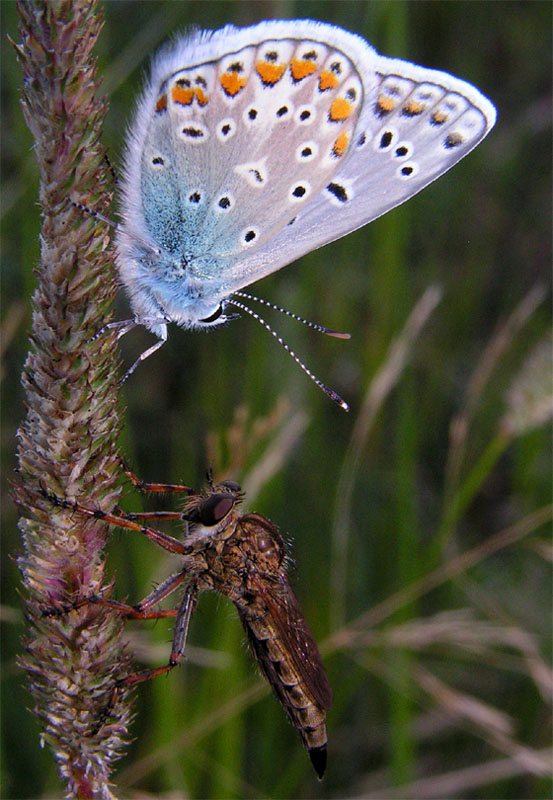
x=413 y=109
x=182 y=95
x=201 y=97
x=438 y=117
x=232 y=83
x=386 y=104
x=339 y=110
x=340 y=145
x=327 y=80
x=268 y=72
x=161 y=104
x=453 y=140
x=301 y=68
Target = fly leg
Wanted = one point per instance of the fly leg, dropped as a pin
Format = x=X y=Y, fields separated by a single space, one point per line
x=144 y=486
x=143 y=610
x=162 y=488
x=126 y=521
x=180 y=633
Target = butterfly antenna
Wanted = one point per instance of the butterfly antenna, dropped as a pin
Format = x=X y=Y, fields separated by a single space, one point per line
x=320 y=328
x=95 y=214
x=330 y=392
x=112 y=169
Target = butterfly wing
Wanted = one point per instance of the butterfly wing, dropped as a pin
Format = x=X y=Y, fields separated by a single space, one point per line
x=415 y=125
x=224 y=153
x=252 y=147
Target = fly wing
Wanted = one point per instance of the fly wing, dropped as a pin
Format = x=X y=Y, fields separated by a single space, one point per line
x=285 y=617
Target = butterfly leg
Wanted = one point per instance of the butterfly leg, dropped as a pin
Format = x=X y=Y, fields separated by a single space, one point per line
x=162 y=338
x=124 y=326
x=121 y=326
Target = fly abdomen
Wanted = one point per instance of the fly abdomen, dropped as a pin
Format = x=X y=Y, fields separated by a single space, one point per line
x=277 y=665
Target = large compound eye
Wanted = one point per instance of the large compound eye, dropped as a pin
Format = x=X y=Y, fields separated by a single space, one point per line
x=216 y=314
x=213 y=509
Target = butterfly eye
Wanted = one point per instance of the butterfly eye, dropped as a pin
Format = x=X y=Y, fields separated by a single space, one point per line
x=211 y=510
x=216 y=314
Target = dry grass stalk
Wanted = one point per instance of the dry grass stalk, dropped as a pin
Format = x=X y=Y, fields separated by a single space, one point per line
x=347 y=635
x=492 y=354
x=67 y=440
x=529 y=399
x=456 y=783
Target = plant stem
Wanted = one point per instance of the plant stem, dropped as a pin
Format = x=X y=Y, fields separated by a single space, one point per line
x=66 y=444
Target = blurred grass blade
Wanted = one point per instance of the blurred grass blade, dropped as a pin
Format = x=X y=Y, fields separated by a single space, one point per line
x=377 y=391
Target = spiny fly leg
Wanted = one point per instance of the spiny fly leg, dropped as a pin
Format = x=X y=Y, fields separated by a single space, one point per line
x=144 y=486
x=180 y=633
x=122 y=520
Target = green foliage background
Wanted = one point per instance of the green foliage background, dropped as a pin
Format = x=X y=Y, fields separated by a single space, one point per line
x=483 y=233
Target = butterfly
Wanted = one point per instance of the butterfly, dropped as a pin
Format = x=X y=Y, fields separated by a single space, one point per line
x=251 y=147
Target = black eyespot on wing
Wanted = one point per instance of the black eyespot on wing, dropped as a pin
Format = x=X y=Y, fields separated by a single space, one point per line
x=282 y=111
x=338 y=191
x=305 y=115
x=401 y=151
x=252 y=113
x=385 y=139
x=225 y=130
x=193 y=133
x=158 y=160
x=257 y=175
x=249 y=236
x=195 y=197
x=224 y=203
x=406 y=170
x=299 y=191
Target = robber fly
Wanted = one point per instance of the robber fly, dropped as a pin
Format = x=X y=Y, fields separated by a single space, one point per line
x=243 y=557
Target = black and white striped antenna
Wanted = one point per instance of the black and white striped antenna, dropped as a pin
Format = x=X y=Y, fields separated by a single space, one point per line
x=326 y=389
